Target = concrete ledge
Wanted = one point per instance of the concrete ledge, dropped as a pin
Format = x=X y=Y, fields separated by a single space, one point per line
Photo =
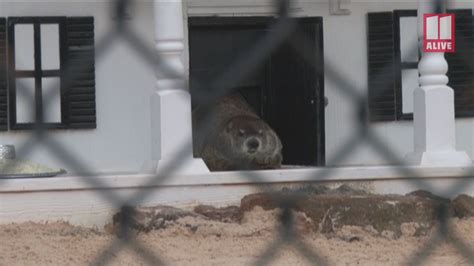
x=338 y=174
x=73 y=199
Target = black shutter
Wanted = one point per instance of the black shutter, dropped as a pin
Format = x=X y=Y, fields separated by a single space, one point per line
x=80 y=63
x=3 y=76
x=382 y=100
x=461 y=70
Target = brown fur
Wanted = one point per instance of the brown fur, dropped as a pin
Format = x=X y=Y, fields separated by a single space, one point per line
x=234 y=137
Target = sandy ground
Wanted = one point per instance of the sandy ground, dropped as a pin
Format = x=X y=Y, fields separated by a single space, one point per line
x=195 y=241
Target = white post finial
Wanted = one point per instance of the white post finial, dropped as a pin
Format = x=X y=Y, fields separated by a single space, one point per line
x=171 y=131
x=433 y=110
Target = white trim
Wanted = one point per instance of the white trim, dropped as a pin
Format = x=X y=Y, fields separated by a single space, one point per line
x=71 y=199
x=336 y=174
x=236 y=7
x=229 y=3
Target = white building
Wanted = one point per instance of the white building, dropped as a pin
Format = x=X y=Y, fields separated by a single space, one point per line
x=120 y=140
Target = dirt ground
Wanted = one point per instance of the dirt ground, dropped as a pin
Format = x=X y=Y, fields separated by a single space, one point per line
x=196 y=241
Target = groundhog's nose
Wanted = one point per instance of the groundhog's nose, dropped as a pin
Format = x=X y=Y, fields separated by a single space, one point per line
x=252 y=145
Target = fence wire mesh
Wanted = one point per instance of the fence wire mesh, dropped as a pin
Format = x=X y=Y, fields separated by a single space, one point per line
x=220 y=86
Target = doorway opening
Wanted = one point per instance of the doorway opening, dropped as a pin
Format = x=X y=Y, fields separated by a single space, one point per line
x=287 y=90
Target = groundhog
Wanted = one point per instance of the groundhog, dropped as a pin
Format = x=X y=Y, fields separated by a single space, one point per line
x=233 y=137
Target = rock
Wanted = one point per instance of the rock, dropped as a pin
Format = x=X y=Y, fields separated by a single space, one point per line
x=149 y=218
x=351 y=234
x=230 y=214
x=409 y=229
x=264 y=200
x=318 y=189
x=463 y=206
x=388 y=234
x=351 y=238
x=331 y=211
x=345 y=189
x=426 y=194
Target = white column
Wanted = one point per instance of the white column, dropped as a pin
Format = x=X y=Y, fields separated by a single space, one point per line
x=171 y=102
x=433 y=110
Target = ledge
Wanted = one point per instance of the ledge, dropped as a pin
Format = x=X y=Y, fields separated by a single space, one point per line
x=334 y=174
x=86 y=201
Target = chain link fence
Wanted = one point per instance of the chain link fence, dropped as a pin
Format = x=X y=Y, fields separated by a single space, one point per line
x=222 y=85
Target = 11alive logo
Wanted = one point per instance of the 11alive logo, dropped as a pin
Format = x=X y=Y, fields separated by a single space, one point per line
x=439 y=34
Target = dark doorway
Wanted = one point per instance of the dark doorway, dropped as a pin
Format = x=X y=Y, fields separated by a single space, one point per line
x=287 y=90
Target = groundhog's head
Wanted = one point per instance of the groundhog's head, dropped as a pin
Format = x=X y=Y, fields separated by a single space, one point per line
x=253 y=143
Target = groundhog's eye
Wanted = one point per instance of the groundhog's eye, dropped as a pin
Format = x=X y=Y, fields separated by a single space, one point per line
x=241 y=132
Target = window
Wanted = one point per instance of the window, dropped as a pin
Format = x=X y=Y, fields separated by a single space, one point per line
x=392 y=37
x=37 y=47
x=50 y=73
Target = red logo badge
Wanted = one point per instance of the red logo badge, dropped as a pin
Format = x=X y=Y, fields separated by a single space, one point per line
x=439 y=33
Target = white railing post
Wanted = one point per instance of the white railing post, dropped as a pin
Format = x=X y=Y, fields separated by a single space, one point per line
x=171 y=102
x=433 y=110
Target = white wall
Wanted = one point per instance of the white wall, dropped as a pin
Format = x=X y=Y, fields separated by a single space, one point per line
x=124 y=84
x=345 y=50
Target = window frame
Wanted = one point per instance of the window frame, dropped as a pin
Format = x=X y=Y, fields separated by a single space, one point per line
x=399 y=65
x=38 y=73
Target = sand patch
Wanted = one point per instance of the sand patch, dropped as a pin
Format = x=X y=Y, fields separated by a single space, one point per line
x=198 y=241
